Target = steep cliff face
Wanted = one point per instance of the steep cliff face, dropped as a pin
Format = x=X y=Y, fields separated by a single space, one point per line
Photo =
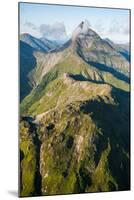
x=74 y=127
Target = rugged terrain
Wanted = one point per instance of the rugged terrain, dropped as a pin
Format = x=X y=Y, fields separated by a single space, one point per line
x=74 y=124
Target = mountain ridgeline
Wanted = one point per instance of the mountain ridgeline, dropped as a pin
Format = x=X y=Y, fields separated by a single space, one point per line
x=74 y=123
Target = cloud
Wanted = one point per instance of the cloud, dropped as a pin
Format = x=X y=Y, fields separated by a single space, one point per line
x=126 y=30
x=31 y=25
x=88 y=22
x=54 y=31
x=99 y=27
x=120 y=28
x=116 y=30
x=28 y=27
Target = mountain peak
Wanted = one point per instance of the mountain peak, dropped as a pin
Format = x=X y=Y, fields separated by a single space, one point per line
x=83 y=29
x=84 y=25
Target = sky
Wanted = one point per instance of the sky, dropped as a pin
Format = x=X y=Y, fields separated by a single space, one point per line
x=37 y=19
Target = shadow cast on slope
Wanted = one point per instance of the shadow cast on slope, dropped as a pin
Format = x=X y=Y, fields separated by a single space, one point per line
x=115 y=126
x=38 y=179
x=27 y=64
x=125 y=54
x=80 y=77
x=111 y=70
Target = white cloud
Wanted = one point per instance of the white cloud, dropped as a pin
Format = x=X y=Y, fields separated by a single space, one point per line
x=31 y=25
x=116 y=30
x=54 y=31
x=30 y=28
x=99 y=27
x=119 y=27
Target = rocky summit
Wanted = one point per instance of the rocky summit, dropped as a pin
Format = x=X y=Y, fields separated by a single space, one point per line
x=74 y=116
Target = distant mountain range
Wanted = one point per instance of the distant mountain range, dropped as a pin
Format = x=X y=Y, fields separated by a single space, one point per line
x=41 y=44
x=28 y=46
x=74 y=126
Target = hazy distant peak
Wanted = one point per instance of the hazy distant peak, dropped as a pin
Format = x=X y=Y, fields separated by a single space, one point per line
x=23 y=35
x=38 y=44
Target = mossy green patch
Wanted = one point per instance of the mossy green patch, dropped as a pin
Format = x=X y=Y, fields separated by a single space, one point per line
x=28 y=163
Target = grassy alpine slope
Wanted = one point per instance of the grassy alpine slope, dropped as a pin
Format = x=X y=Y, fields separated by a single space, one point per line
x=74 y=127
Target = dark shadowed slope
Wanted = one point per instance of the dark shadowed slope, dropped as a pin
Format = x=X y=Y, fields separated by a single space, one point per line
x=27 y=64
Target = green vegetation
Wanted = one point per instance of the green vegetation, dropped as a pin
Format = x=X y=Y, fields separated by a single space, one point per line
x=74 y=127
x=73 y=65
x=28 y=163
x=76 y=150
